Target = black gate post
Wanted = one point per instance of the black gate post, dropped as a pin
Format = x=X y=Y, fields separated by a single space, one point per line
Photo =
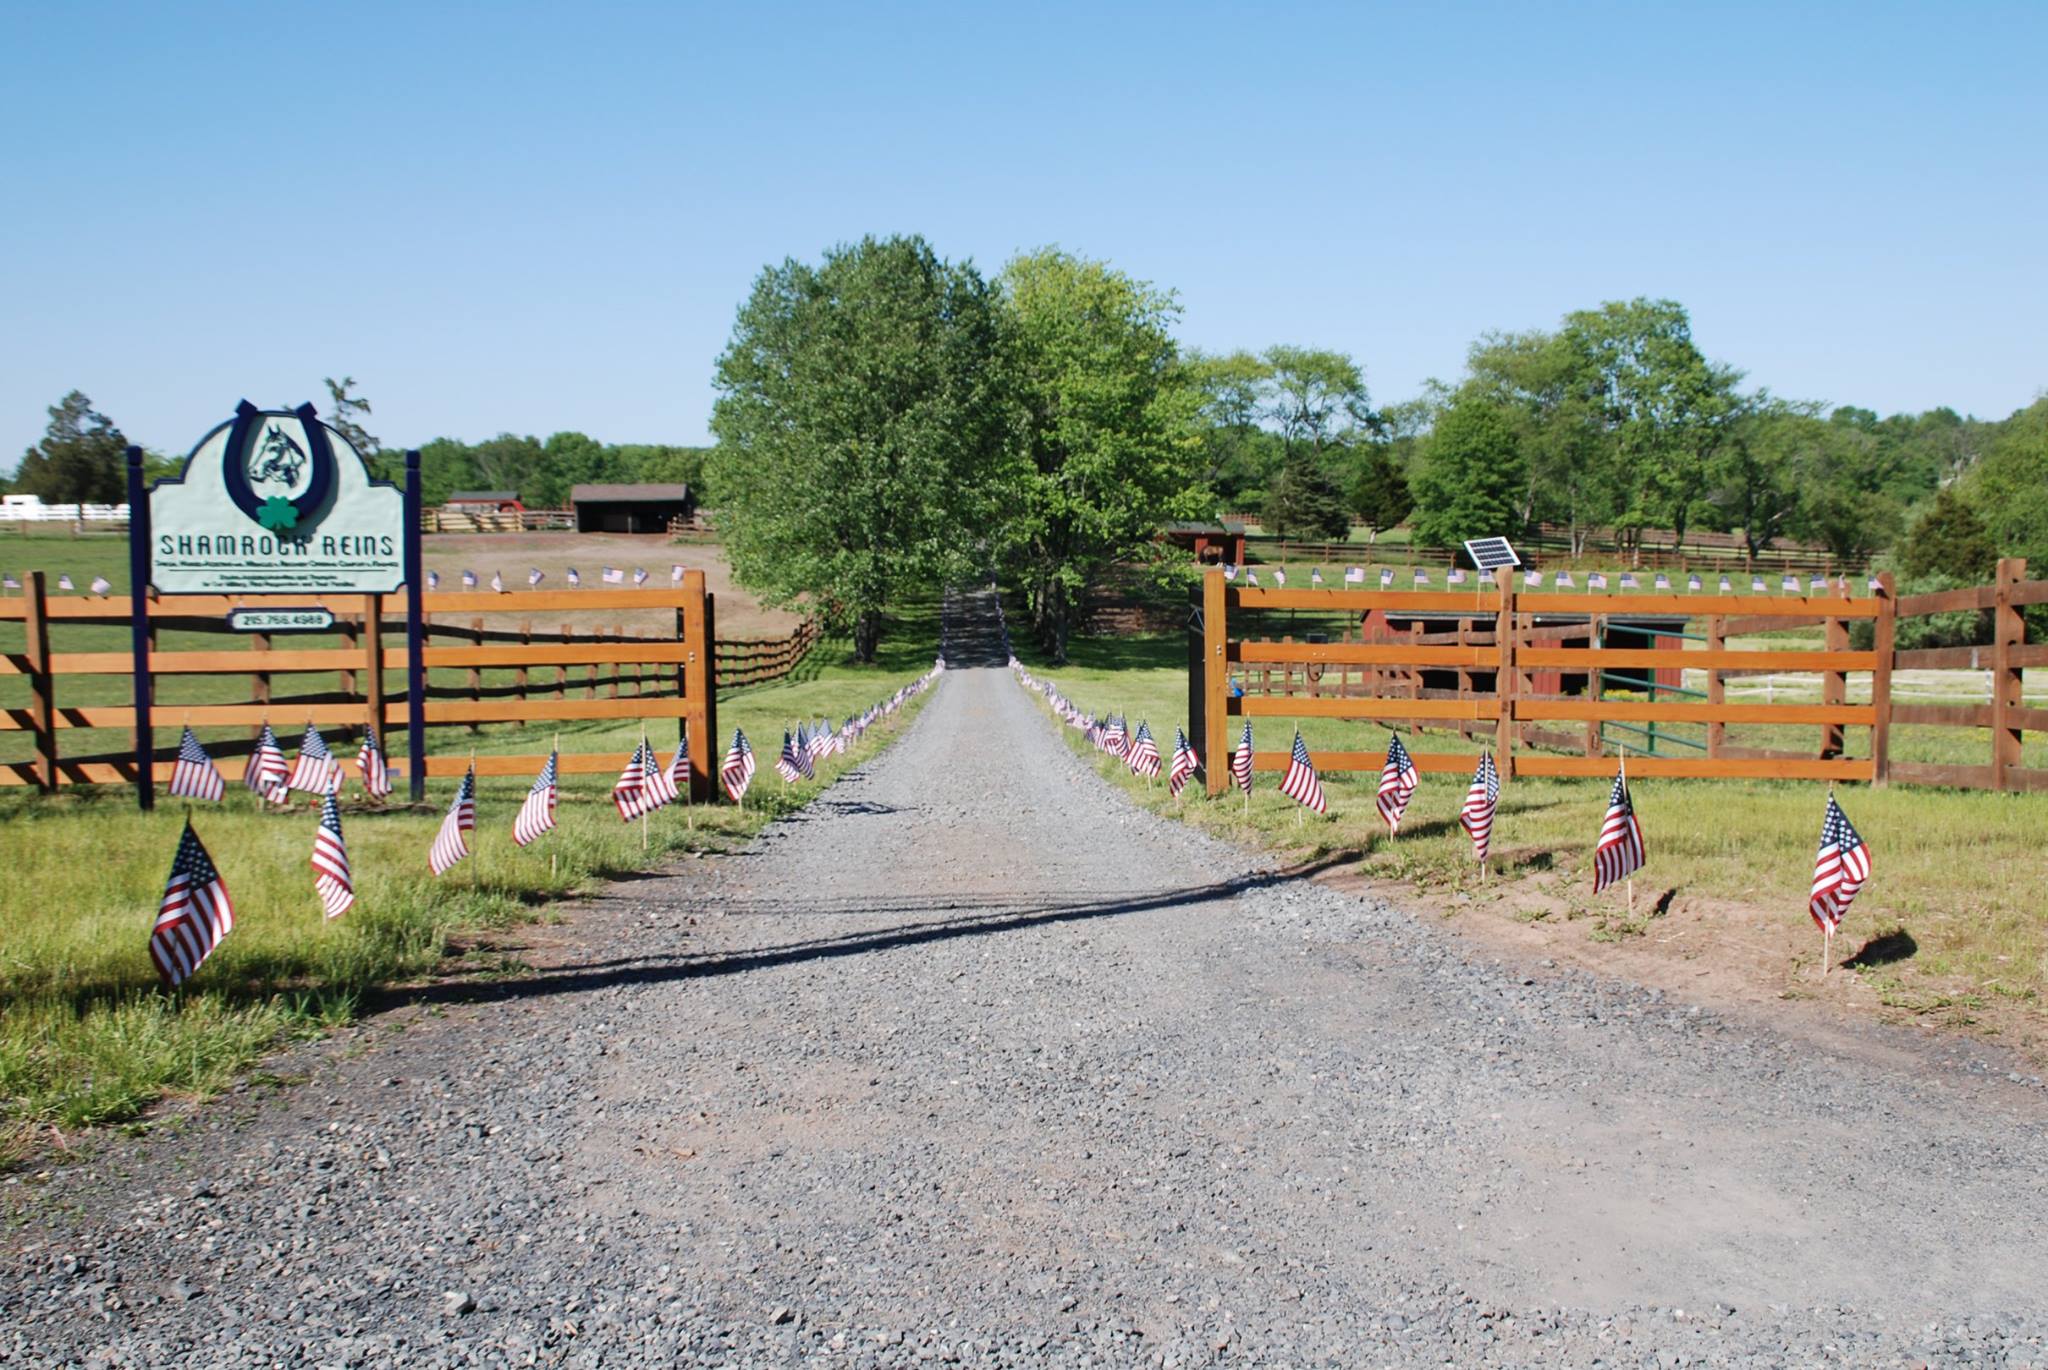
x=138 y=629
x=415 y=632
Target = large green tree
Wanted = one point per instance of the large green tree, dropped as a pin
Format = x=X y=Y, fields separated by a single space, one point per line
x=82 y=458
x=858 y=428
x=1471 y=477
x=1105 y=435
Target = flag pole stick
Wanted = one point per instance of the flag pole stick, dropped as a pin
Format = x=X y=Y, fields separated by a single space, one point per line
x=643 y=797
x=553 y=850
x=474 y=856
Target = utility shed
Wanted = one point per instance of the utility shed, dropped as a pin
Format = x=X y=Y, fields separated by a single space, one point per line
x=629 y=508
x=1212 y=543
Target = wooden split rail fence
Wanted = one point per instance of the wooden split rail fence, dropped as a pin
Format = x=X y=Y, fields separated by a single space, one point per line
x=538 y=673
x=1490 y=665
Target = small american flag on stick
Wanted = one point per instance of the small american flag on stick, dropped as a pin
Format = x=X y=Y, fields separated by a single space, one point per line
x=330 y=861
x=194 y=776
x=738 y=770
x=1397 y=784
x=1184 y=763
x=266 y=771
x=537 y=813
x=1839 y=869
x=628 y=790
x=194 y=916
x=785 y=763
x=370 y=764
x=1144 y=757
x=316 y=771
x=1619 y=852
x=1241 y=762
x=1476 y=817
x=451 y=843
x=1300 y=782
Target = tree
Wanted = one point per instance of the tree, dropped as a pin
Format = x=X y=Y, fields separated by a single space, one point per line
x=1551 y=392
x=1304 y=501
x=82 y=458
x=1471 y=477
x=345 y=413
x=1380 y=495
x=1757 y=472
x=858 y=430
x=2009 y=486
x=1668 y=408
x=1318 y=398
x=1107 y=444
x=1239 y=457
x=1949 y=540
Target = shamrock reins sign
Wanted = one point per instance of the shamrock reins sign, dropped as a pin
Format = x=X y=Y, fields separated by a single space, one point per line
x=275 y=501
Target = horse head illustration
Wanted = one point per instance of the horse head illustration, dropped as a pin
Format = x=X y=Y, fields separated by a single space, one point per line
x=279 y=459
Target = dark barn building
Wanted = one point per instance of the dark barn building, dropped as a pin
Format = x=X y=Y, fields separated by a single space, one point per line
x=629 y=508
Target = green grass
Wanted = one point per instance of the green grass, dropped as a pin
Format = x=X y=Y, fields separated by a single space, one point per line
x=87 y=1036
x=1961 y=871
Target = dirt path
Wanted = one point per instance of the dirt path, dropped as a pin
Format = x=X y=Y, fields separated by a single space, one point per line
x=973 y=1061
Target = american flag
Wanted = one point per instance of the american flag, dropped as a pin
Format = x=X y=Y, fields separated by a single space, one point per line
x=679 y=765
x=675 y=575
x=433 y=580
x=1113 y=737
x=1726 y=585
x=450 y=845
x=786 y=764
x=64 y=582
x=1565 y=581
x=614 y=576
x=1144 y=757
x=738 y=771
x=1661 y=581
x=820 y=740
x=1421 y=576
x=537 y=814
x=1354 y=575
x=1693 y=582
x=195 y=915
x=1184 y=763
x=535 y=576
x=1817 y=582
x=469 y=580
x=802 y=754
x=1251 y=577
x=100 y=585
x=1386 y=576
x=639 y=575
x=370 y=764
x=573 y=577
x=1596 y=581
x=627 y=792
x=1756 y=584
x=1789 y=584
x=1397 y=784
x=1839 y=869
x=1315 y=576
x=1532 y=578
x=194 y=776
x=1480 y=801
x=498 y=581
x=655 y=781
x=1279 y=576
x=1455 y=576
x=330 y=861
x=1241 y=760
x=316 y=771
x=1628 y=580
x=266 y=771
x=1619 y=853
x=1300 y=783
x=1229 y=571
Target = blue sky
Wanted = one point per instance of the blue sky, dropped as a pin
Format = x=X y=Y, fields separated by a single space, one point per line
x=534 y=218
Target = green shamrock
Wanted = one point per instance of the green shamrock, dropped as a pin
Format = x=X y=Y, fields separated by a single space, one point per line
x=278 y=513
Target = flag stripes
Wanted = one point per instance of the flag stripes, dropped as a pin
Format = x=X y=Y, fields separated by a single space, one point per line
x=194 y=915
x=330 y=861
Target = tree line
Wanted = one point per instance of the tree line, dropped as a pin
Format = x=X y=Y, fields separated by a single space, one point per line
x=888 y=420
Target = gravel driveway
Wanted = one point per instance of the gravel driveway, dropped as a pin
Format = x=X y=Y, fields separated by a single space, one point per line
x=973 y=1062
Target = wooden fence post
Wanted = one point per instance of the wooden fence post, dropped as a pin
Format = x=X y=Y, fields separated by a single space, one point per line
x=1215 y=681
x=1884 y=641
x=1198 y=694
x=373 y=668
x=1504 y=673
x=698 y=630
x=476 y=674
x=1717 y=688
x=2008 y=631
x=562 y=672
x=351 y=637
x=42 y=684
x=1834 y=689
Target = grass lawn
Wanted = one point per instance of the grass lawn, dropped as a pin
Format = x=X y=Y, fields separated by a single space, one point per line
x=87 y=1037
x=1960 y=873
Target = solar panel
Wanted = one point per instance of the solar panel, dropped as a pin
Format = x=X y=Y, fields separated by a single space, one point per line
x=1488 y=553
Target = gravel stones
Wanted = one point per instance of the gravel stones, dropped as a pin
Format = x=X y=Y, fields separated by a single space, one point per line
x=973 y=1063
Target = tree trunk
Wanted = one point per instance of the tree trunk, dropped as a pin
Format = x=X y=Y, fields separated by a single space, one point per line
x=1056 y=623
x=867 y=635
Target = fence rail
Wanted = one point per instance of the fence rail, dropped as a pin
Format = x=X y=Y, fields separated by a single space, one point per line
x=755 y=661
x=1655 y=550
x=1510 y=666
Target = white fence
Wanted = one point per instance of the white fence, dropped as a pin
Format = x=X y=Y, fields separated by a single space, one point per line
x=31 y=509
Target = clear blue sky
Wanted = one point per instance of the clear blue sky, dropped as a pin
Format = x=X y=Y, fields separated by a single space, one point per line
x=534 y=218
